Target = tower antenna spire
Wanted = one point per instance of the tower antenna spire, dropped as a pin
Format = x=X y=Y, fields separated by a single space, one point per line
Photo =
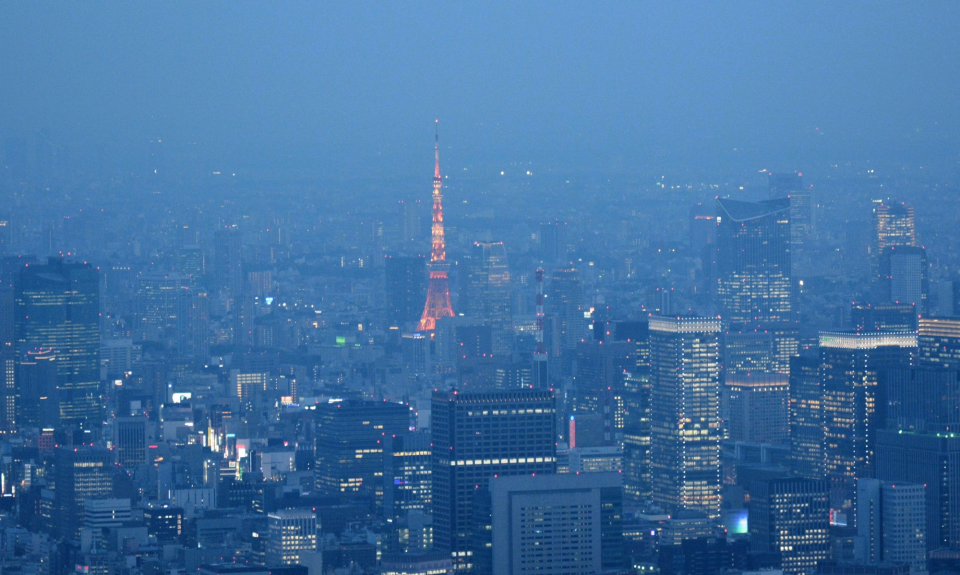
x=436 y=149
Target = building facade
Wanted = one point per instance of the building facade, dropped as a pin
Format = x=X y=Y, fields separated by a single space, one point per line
x=684 y=414
x=479 y=436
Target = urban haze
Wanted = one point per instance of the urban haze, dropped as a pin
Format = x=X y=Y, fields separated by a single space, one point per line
x=479 y=288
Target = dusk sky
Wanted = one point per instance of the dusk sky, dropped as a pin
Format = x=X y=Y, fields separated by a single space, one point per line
x=349 y=87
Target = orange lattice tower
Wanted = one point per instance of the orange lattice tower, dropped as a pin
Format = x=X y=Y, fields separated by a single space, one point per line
x=438 y=292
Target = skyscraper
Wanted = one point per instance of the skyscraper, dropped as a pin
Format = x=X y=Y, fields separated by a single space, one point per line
x=759 y=347
x=685 y=428
x=290 y=532
x=81 y=473
x=849 y=362
x=918 y=398
x=806 y=417
x=939 y=342
x=790 y=185
x=565 y=301
x=883 y=316
x=478 y=436
x=891 y=522
x=756 y=408
x=487 y=293
x=791 y=518
x=130 y=439
x=407 y=474
x=58 y=308
x=553 y=241
x=894 y=225
x=929 y=458
x=438 y=289
x=228 y=266
x=350 y=440
x=636 y=435
x=193 y=323
x=753 y=261
x=903 y=276
x=39 y=400
x=406 y=288
x=158 y=297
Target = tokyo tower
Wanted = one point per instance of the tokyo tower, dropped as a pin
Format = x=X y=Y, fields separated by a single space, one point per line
x=438 y=291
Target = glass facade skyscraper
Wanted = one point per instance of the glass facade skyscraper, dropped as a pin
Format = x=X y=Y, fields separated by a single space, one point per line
x=58 y=308
x=790 y=185
x=350 y=443
x=790 y=517
x=478 y=436
x=684 y=413
x=849 y=365
x=753 y=261
x=806 y=417
x=486 y=293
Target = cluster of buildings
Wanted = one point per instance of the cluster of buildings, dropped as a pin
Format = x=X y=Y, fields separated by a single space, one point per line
x=242 y=410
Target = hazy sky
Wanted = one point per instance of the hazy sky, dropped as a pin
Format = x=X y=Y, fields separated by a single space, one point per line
x=356 y=86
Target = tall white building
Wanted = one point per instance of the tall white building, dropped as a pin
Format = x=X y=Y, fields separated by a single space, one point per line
x=891 y=523
x=290 y=532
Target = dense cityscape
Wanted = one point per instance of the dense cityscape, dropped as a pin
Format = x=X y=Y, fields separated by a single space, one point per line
x=514 y=366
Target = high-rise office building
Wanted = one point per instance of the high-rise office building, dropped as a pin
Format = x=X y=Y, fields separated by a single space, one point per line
x=193 y=323
x=565 y=523
x=565 y=301
x=553 y=241
x=192 y=262
x=703 y=226
x=81 y=473
x=599 y=383
x=350 y=437
x=684 y=414
x=39 y=399
x=759 y=347
x=228 y=266
x=636 y=435
x=932 y=459
x=130 y=440
x=158 y=296
x=753 y=261
x=412 y=214
x=806 y=417
x=891 y=523
x=486 y=293
x=903 y=276
x=849 y=364
x=406 y=288
x=790 y=517
x=918 y=398
x=790 y=185
x=939 y=343
x=58 y=308
x=407 y=474
x=478 y=436
x=290 y=532
x=894 y=225
x=883 y=316
x=755 y=407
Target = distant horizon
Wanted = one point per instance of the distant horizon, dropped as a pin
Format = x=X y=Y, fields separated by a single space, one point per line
x=338 y=90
